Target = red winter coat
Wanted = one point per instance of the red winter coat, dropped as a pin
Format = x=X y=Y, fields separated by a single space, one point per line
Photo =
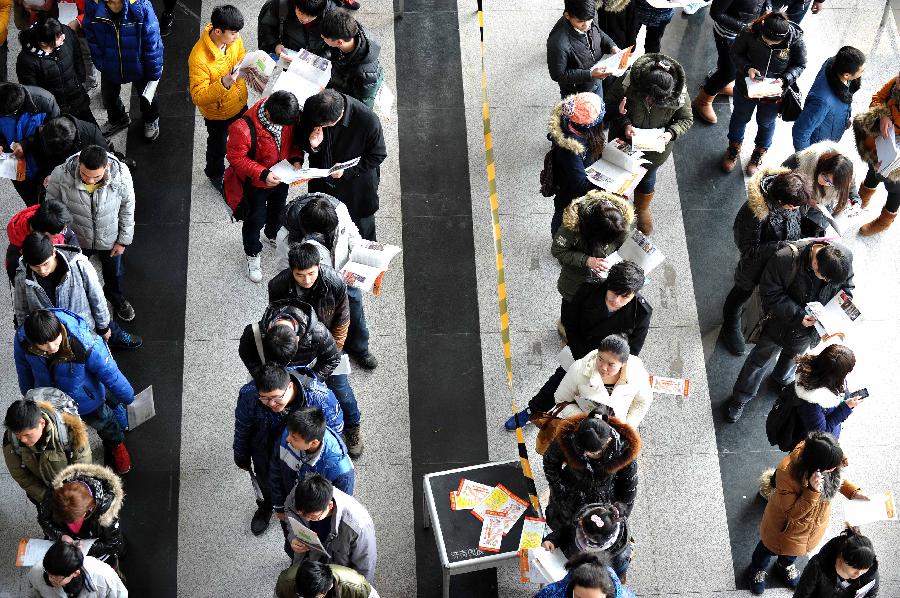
x=256 y=168
x=18 y=229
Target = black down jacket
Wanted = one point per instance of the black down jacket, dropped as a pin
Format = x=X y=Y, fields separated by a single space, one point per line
x=734 y=15
x=357 y=73
x=820 y=580
x=570 y=55
x=61 y=73
x=785 y=60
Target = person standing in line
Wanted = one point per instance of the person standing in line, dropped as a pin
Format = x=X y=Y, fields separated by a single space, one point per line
x=821 y=385
x=292 y=25
x=50 y=217
x=314 y=578
x=216 y=86
x=355 y=69
x=655 y=20
x=575 y=44
x=65 y=571
x=589 y=575
x=846 y=567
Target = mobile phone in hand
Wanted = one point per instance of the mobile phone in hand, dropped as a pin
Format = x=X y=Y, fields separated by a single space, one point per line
x=862 y=393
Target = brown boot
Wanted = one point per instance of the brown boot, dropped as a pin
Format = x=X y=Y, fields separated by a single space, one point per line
x=728 y=90
x=642 y=207
x=731 y=156
x=879 y=224
x=703 y=107
x=755 y=160
x=865 y=194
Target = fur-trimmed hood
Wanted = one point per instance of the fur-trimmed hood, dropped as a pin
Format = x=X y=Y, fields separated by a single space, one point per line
x=78 y=435
x=636 y=75
x=822 y=397
x=559 y=136
x=571 y=217
x=612 y=5
x=105 y=486
x=625 y=450
x=756 y=195
x=866 y=127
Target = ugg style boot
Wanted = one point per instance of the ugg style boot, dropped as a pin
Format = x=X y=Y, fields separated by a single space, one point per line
x=865 y=194
x=755 y=160
x=731 y=156
x=878 y=225
x=703 y=106
x=642 y=207
x=728 y=90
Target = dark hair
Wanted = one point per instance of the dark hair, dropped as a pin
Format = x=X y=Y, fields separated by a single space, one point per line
x=313 y=494
x=314 y=578
x=12 y=97
x=828 y=369
x=323 y=108
x=63 y=559
x=821 y=451
x=313 y=8
x=302 y=256
x=659 y=83
x=589 y=570
x=227 y=18
x=848 y=60
x=338 y=24
x=22 y=416
x=319 y=216
x=592 y=433
x=36 y=249
x=625 y=278
x=71 y=501
x=583 y=10
x=856 y=549
x=283 y=108
x=280 y=343
x=308 y=423
x=42 y=327
x=608 y=515
x=834 y=265
x=600 y=223
x=616 y=344
x=58 y=134
x=93 y=157
x=789 y=188
x=271 y=376
x=44 y=31
x=774 y=25
x=841 y=169
x=51 y=217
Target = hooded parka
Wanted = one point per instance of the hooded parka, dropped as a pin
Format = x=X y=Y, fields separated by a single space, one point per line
x=785 y=60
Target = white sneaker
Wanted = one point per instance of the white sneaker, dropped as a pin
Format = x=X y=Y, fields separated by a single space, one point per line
x=151 y=130
x=254 y=270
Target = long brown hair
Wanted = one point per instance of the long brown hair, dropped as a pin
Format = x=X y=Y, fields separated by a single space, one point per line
x=828 y=369
x=72 y=501
x=841 y=170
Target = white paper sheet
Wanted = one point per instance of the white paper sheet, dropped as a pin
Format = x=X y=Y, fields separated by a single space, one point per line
x=767 y=88
x=880 y=507
x=31 y=551
x=142 y=409
x=649 y=140
x=68 y=12
x=302 y=89
x=150 y=90
x=9 y=166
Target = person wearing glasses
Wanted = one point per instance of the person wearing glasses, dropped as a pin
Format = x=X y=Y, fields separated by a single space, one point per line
x=831 y=176
x=259 y=419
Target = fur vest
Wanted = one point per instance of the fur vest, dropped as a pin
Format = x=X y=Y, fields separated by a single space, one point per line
x=866 y=127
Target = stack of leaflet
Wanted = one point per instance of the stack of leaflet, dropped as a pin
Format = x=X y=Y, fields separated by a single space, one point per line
x=616 y=64
x=307 y=75
x=496 y=507
x=619 y=169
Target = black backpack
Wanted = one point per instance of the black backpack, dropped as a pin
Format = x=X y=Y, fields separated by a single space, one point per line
x=549 y=188
x=784 y=427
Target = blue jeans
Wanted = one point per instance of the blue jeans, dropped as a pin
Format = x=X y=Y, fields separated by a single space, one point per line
x=751 y=376
x=762 y=557
x=104 y=421
x=340 y=386
x=766 y=113
x=648 y=183
x=357 y=342
x=113 y=275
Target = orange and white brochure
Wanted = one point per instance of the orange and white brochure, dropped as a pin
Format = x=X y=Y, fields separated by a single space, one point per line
x=670 y=386
x=492 y=524
x=468 y=495
x=501 y=500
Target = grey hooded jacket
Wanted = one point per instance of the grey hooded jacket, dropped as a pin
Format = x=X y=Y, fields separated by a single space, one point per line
x=104 y=217
x=79 y=290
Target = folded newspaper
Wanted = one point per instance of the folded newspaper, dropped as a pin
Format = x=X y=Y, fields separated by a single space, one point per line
x=836 y=316
x=544 y=566
x=256 y=68
x=307 y=75
x=307 y=537
x=288 y=174
x=619 y=169
x=888 y=154
x=763 y=88
x=637 y=249
x=616 y=64
x=141 y=409
x=369 y=260
x=649 y=140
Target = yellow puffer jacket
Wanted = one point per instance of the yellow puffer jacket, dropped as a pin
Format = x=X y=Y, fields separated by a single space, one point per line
x=207 y=65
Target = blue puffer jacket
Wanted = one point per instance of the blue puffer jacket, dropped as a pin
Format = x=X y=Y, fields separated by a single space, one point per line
x=17 y=129
x=288 y=466
x=86 y=377
x=257 y=428
x=825 y=115
x=129 y=51
x=560 y=589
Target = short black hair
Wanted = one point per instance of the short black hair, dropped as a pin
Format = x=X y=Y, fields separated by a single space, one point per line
x=22 y=416
x=324 y=108
x=589 y=570
x=314 y=578
x=313 y=494
x=51 y=217
x=583 y=10
x=625 y=278
x=280 y=344
x=313 y=8
x=848 y=60
x=42 y=327
x=271 y=376
x=319 y=216
x=36 y=249
x=339 y=24
x=834 y=264
x=12 y=97
x=302 y=256
x=63 y=559
x=58 y=134
x=93 y=157
x=308 y=423
x=227 y=18
x=45 y=31
x=283 y=108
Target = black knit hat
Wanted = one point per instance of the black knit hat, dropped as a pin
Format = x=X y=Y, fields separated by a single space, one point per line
x=36 y=249
x=583 y=10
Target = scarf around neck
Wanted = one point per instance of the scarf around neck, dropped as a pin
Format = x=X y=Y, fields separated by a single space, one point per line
x=272 y=128
x=779 y=217
x=844 y=92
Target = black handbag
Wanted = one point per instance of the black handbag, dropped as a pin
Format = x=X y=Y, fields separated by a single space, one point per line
x=791 y=103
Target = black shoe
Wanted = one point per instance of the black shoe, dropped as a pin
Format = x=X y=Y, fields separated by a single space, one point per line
x=367 y=361
x=165 y=23
x=733 y=339
x=735 y=410
x=260 y=521
x=113 y=127
x=354 y=442
x=125 y=340
x=125 y=311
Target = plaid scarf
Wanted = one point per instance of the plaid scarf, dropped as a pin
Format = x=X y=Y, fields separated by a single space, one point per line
x=272 y=128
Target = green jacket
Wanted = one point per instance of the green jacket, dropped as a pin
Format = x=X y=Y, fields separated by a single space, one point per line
x=347 y=583
x=572 y=252
x=34 y=468
x=674 y=114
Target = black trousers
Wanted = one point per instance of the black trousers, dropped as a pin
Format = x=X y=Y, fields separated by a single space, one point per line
x=725 y=71
x=216 y=143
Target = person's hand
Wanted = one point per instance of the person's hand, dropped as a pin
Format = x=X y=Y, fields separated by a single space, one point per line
x=316 y=137
x=615 y=50
x=629 y=132
x=667 y=137
x=596 y=263
x=75 y=25
x=298 y=546
x=815 y=481
x=753 y=73
x=279 y=50
x=17 y=150
x=279 y=516
x=68 y=539
x=817 y=6
x=860 y=496
x=107 y=335
x=272 y=180
x=622 y=109
x=229 y=79
x=297 y=165
x=852 y=403
x=548 y=546
x=337 y=174
x=886 y=125
x=118 y=249
x=599 y=73
x=808 y=321
x=46 y=181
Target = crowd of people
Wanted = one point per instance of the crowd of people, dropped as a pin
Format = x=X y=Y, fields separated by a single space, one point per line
x=298 y=427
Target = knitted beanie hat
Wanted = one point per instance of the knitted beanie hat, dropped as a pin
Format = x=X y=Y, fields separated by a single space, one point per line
x=583 y=110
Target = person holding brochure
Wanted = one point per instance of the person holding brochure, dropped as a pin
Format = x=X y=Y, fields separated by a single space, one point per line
x=652 y=95
x=768 y=220
x=339 y=128
x=292 y=25
x=596 y=529
x=823 y=404
x=833 y=186
x=314 y=578
x=589 y=574
x=770 y=49
x=882 y=120
x=355 y=69
x=343 y=526
x=845 y=567
x=216 y=87
x=575 y=44
x=66 y=571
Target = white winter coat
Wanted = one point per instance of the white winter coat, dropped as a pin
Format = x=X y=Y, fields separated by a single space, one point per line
x=344 y=241
x=100 y=582
x=630 y=399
